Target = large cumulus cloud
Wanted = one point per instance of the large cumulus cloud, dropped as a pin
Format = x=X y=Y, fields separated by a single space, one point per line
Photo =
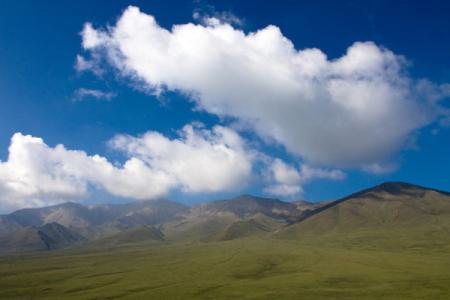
x=353 y=111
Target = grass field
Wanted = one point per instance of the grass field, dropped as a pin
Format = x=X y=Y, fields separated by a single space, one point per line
x=251 y=268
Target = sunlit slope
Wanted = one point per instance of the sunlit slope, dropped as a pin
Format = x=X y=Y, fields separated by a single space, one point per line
x=138 y=234
x=258 y=225
x=388 y=211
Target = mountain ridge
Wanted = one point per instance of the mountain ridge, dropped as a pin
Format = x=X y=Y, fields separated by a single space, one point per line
x=392 y=186
x=238 y=217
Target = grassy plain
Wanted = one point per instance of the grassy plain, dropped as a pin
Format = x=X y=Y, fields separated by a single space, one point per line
x=325 y=267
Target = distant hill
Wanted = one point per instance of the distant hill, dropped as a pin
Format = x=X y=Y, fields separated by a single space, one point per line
x=95 y=221
x=208 y=221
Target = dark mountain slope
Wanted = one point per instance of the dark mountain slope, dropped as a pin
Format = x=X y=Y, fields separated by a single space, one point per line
x=47 y=237
x=8 y=224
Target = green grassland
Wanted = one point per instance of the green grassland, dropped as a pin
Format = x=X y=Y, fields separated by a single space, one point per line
x=249 y=268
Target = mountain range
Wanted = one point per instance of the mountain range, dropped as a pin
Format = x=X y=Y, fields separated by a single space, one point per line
x=389 y=210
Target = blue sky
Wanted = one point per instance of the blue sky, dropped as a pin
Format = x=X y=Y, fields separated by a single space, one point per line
x=42 y=94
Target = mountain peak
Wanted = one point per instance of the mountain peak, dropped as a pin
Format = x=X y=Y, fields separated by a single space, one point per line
x=399 y=187
x=396 y=187
x=247 y=205
x=252 y=198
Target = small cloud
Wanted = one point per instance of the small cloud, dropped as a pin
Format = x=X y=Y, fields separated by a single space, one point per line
x=92 y=38
x=82 y=65
x=378 y=169
x=289 y=180
x=83 y=93
x=284 y=190
x=210 y=17
x=432 y=92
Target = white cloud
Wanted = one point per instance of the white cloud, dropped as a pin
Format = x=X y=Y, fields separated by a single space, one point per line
x=198 y=161
x=36 y=174
x=91 y=37
x=284 y=190
x=352 y=111
x=82 y=93
x=288 y=180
